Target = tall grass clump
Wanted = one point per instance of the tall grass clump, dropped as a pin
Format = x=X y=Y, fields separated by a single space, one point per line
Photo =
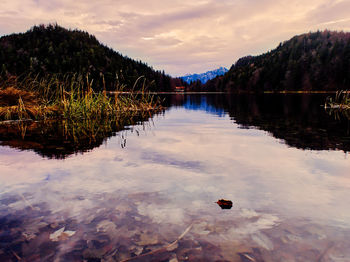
x=339 y=105
x=71 y=96
x=341 y=101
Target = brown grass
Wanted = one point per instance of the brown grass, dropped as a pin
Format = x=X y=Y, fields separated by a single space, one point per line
x=11 y=95
x=21 y=104
x=15 y=103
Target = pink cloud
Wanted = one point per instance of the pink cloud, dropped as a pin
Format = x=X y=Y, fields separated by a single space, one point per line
x=182 y=37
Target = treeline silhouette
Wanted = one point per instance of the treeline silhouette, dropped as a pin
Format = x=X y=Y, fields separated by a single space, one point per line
x=52 y=49
x=313 y=61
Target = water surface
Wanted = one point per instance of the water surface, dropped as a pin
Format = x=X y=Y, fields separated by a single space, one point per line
x=281 y=159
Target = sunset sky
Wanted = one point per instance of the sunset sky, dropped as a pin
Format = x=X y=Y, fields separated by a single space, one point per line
x=182 y=37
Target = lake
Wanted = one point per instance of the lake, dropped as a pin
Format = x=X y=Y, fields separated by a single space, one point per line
x=147 y=191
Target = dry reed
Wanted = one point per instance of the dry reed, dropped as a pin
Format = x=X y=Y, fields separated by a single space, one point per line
x=68 y=97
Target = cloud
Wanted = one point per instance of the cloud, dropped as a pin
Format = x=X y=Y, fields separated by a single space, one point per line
x=182 y=37
x=332 y=13
x=204 y=158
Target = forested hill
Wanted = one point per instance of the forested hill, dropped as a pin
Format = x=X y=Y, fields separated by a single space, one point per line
x=313 y=61
x=52 y=49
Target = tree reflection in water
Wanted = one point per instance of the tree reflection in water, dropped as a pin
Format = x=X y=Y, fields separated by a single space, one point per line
x=298 y=119
x=61 y=138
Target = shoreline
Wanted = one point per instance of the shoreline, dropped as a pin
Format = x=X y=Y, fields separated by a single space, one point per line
x=216 y=92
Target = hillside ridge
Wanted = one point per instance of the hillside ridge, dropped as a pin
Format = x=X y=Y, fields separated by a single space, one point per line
x=312 y=61
x=52 y=49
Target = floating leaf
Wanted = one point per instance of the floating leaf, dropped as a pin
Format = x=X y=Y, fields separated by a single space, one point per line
x=224 y=204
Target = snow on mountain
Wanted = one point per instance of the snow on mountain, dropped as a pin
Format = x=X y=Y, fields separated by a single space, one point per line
x=204 y=77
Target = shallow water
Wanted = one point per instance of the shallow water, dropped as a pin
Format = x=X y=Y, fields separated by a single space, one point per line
x=152 y=188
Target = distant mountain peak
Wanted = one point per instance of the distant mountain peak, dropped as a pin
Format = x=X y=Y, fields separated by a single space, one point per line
x=204 y=77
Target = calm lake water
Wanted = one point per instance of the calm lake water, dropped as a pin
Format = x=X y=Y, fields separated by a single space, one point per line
x=152 y=187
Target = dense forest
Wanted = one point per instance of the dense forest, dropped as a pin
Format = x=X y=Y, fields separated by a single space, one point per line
x=313 y=61
x=51 y=49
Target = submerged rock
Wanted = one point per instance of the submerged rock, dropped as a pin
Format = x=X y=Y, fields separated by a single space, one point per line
x=147 y=239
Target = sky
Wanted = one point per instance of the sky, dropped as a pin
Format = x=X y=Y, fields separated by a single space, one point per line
x=182 y=37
